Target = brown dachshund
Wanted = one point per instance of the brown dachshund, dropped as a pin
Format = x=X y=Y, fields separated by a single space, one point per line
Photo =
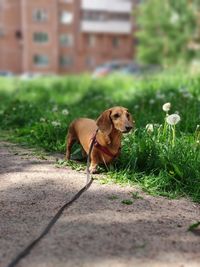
x=111 y=124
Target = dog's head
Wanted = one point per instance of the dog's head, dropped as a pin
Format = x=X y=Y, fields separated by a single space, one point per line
x=117 y=117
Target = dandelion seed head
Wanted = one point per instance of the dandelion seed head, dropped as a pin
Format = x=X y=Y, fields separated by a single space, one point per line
x=157 y=125
x=149 y=127
x=166 y=107
x=173 y=119
x=174 y=18
x=56 y=123
x=65 y=111
x=42 y=120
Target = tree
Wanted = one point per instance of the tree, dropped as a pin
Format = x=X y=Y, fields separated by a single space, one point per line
x=166 y=30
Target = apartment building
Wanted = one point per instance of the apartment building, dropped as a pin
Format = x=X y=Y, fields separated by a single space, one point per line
x=64 y=36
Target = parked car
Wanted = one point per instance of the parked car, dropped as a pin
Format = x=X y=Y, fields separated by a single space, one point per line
x=5 y=73
x=134 y=69
x=124 y=67
x=110 y=67
x=131 y=68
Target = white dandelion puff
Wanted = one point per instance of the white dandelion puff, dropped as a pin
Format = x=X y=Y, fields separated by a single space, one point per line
x=42 y=120
x=149 y=127
x=166 y=107
x=56 y=123
x=174 y=18
x=65 y=111
x=157 y=125
x=173 y=119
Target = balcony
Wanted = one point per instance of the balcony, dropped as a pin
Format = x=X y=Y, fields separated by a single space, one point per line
x=118 y=6
x=113 y=27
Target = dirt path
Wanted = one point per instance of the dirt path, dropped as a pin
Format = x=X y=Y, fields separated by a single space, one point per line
x=98 y=230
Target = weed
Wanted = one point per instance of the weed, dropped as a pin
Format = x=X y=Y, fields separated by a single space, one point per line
x=113 y=197
x=127 y=202
x=135 y=195
x=194 y=226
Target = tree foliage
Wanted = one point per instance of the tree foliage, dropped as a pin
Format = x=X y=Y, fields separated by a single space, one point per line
x=166 y=31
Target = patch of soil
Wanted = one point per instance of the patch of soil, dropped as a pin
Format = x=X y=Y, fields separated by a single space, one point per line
x=108 y=226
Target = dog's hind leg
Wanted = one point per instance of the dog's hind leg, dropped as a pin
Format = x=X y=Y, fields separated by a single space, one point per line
x=69 y=143
x=84 y=154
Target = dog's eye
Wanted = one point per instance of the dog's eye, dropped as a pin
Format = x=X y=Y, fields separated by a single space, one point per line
x=128 y=115
x=116 y=116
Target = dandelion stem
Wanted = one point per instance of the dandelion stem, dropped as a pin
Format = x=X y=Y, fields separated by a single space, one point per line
x=173 y=135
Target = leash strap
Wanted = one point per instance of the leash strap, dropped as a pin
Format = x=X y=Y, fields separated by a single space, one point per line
x=89 y=154
x=28 y=249
x=105 y=150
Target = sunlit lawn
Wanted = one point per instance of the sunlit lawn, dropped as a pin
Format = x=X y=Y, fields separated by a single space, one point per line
x=162 y=158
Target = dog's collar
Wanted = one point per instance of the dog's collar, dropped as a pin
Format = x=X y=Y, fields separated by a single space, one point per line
x=104 y=149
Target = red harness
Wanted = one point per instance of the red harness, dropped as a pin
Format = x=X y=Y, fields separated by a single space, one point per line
x=104 y=149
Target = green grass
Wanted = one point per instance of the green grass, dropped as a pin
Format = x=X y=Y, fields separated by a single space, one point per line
x=127 y=202
x=163 y=162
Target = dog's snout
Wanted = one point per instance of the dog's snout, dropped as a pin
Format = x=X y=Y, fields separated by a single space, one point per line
x=128 y=128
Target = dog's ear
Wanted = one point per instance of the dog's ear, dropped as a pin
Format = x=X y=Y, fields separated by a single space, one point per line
x=104 y=122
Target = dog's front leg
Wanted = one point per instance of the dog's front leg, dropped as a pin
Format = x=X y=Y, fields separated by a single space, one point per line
x=94 y=163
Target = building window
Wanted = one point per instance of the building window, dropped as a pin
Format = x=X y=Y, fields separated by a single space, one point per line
x=18 y=34
x=66 y=17
x=41 y=60
x=116 y=42
x=40 y=37
x=66 y=40
x=91 y=40
x=94 y=15
x=66 y=61
x=120 y=17
x=90 y=62
x=40 y=15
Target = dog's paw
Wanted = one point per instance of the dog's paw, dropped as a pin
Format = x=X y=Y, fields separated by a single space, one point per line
x=93 y=170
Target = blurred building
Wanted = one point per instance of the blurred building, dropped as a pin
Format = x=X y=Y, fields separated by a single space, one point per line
x=64 y=36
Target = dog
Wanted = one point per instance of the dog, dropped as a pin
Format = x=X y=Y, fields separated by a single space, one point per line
x=107 y=131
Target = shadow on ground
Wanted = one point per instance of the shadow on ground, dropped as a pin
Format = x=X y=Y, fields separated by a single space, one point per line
x=98 y=230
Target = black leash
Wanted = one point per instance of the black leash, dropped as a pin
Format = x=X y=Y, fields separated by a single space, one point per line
x=28 y=249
